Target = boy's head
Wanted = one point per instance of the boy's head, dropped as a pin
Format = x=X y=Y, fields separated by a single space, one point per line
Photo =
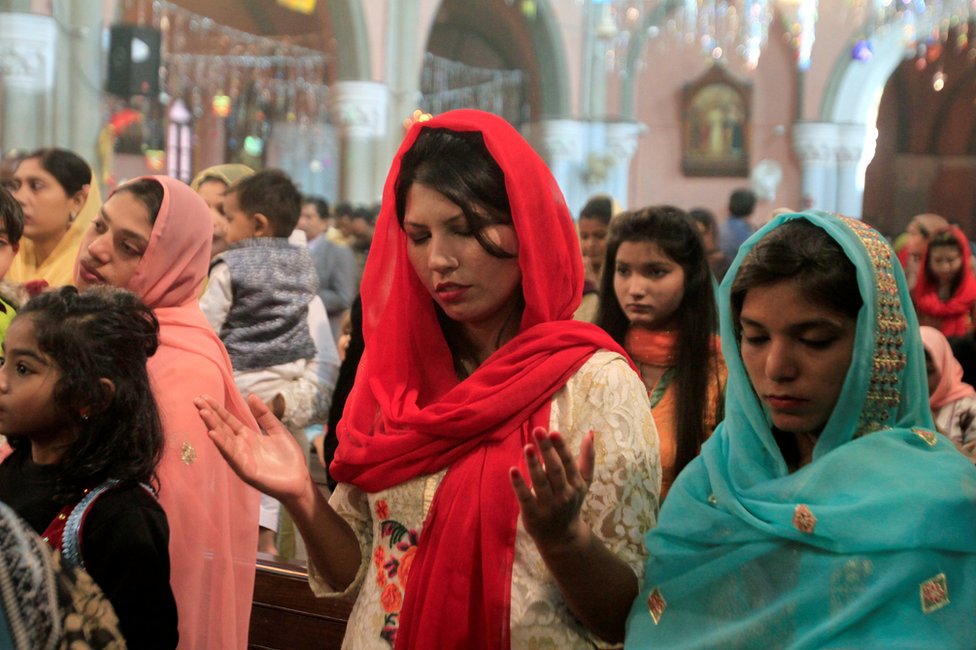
x=11 y=228
x=266 y=204
x=742 y=202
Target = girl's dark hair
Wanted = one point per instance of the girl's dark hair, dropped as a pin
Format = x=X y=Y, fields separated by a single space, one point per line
x=147 y=191
x=102 y=333
x=800 y=251
x=67 y=167
x=943 y=239
x=599 y=207
x=458 y=165
x=696 y=317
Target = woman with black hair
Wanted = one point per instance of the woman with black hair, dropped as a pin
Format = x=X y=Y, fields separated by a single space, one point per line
x=825 y=511
x=59 y=198
x=152 y=237
x=657 y=301
x=472 y=363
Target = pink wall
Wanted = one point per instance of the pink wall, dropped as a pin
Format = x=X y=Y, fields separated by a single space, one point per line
x=656 y=175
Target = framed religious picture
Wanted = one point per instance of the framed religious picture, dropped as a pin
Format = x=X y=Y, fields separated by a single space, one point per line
x=715 y=125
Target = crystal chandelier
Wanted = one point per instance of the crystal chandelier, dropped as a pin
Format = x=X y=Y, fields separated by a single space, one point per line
x=723 y=29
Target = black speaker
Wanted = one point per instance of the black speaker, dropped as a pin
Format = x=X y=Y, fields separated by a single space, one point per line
x=133 y=60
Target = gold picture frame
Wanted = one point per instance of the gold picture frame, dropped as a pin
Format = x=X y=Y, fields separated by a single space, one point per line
x=716 y=120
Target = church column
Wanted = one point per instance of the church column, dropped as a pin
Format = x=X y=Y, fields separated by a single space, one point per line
x=27 y=62
x=621 y=143
x=79 y=79
x=561 y=145
x=850 y=188
x=815 y=144
x=359 y=112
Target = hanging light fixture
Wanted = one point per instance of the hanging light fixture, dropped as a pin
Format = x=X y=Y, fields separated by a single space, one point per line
x=724 y=29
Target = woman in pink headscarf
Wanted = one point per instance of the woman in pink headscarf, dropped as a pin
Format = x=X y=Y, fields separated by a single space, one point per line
x=153 y=238
x=953 y=402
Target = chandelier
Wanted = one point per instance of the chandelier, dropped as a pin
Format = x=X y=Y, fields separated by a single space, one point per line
x=725 y=29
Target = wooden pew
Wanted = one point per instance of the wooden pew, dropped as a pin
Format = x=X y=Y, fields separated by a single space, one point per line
x=285 y=615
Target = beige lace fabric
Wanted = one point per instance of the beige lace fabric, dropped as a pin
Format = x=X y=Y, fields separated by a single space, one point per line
x=605 y=396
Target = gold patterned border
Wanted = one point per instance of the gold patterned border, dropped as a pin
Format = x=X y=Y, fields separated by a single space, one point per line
x=889 y=331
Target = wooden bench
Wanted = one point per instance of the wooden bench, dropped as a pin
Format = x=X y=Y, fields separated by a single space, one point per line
x=286 y=615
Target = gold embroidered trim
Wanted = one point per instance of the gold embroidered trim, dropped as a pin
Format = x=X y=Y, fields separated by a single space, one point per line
x=188 y=454
x=926 y=435
x=934 y=593
x=889 y=331
x=804 y=519
x=656 y=605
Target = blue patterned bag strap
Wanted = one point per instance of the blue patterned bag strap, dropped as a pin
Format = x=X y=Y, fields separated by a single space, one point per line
x=71 y=539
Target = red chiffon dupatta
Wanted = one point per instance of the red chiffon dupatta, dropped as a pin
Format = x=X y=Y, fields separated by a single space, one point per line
x=409 y=416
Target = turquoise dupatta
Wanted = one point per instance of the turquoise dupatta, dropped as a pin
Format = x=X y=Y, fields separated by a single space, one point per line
x=873 y=544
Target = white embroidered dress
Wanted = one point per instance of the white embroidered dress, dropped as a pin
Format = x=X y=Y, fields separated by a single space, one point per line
x=605 y=396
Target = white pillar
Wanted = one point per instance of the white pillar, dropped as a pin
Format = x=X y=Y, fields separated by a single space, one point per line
x=358 y=109
x=815 y=144
x=621 y=143
x=27 y=57
x=561 y=145
x=850 y=181
x=79 y=78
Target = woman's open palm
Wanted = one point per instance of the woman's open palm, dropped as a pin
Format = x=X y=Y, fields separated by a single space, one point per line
x=273 y=463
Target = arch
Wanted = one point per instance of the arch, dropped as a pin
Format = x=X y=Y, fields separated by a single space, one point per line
x=498 y=33
x=629 y=84
x=352 y=44
x=854 y=89
x=548 y=44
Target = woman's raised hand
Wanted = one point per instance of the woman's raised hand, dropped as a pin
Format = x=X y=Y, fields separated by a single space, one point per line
x=551 y=507
x=272 y=463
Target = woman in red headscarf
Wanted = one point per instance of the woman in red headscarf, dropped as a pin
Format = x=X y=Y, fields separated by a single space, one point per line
x=472 y=365
x=945 y=293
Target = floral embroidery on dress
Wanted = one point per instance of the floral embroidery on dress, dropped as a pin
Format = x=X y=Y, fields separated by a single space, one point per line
x=188 y=454
x=934 y=593
x=804 y=519
x=926 y=435
x=392 y=571
x=656 y=605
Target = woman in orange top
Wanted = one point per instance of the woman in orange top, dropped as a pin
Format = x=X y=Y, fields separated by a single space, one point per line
x=657 y=300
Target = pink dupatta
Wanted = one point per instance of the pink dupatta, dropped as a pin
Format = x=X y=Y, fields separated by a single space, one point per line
x=951 y=387
x=213 y=515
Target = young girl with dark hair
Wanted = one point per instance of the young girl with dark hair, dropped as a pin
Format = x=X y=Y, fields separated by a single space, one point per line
x=945 y=294
x=78 y=410
x=825 y=511
x=656 y=300
x=472 y=363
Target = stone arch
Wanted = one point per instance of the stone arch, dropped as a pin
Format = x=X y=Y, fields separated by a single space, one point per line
x=532 y=43
x=628 y=85
x=352 y=42
x=855 y=87
x=549 y=46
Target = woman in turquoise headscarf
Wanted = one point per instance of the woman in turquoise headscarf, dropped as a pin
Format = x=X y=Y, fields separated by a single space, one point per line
x=824 y=511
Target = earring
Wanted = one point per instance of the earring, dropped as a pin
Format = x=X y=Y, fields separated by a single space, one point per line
x=85 y=414
x=71 y=217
